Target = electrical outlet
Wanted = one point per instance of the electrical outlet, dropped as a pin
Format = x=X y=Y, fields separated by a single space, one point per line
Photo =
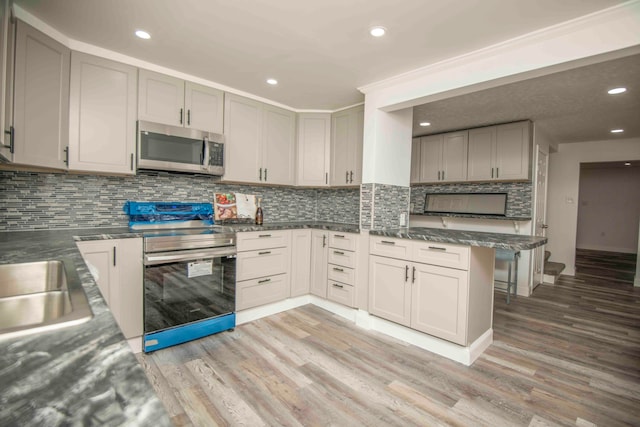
x=403 y=219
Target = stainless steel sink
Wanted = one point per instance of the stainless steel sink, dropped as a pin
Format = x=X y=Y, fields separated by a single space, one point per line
x=40 y=296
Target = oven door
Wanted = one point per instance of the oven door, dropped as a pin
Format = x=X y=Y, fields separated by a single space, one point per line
x=188 y=286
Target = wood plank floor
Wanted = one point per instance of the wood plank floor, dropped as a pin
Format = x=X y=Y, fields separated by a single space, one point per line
x=615 y=266
x=568 y=355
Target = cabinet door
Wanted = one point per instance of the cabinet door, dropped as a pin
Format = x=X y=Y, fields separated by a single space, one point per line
x=415 y=161
x=439 y=302
x=204 y=107
x=161 y=98
x=340 y=167
x=300 y=262
x=319 y=252
x=118 y=264
x=41 y=99
x=454 y=156
x=278 y=146
x=314 y=132
x=6 y=78
x=389 y=289
x=356 y=140
x=255 y=292
x=430 y=158
x=243 y=136
x=262 y=263
x=102 y=115
x=98 y=255
x=512 y=151
x=481 y=153
x=127 y=297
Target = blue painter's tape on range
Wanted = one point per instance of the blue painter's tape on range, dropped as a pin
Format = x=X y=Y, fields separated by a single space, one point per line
x=192 y=331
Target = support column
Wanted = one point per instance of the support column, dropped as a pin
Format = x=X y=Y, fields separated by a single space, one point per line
x=385 y=192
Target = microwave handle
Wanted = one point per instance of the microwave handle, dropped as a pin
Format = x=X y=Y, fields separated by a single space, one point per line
x=204 y=161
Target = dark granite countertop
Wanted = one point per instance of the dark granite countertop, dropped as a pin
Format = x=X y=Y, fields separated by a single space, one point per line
x=80 y=375
x=84 y=374
x=469 y=238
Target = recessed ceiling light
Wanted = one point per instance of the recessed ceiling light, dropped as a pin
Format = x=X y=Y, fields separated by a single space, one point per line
x=425 y=124
x=378 y=31
x=627 y=163
x=617 y=90
x=143 y=34
x=617 y=130
x=272 y=82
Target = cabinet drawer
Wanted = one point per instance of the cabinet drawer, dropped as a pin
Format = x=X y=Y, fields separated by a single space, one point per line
x=442 y=254
x=342 y=257
x=389 y=247
x=341 y=293
x=263 y=240
x=255 y=292
x=262 y=263
x=342 y=274
x=346 y=241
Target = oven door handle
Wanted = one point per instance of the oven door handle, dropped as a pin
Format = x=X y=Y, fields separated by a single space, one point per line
x=189 y=255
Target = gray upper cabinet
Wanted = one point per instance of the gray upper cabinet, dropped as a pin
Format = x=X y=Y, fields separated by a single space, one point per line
x=314 y=145
x=41 y=99
x=260 y=142
x=102 y=115
x=6 y=79
x=500 y=152
x=443 y=157
x=346 y=147
x=172 y=101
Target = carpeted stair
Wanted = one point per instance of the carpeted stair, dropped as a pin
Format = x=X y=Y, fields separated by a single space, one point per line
x=551 y=269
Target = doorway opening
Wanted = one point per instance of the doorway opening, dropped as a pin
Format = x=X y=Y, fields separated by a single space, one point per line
x=608 y=221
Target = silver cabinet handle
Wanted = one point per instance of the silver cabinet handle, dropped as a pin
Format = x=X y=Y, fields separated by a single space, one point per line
x=114 y=256
x=264 y=253
x=190 y=255
x=264 y=235
x=131 y=161
x=413 y=276
x=181 y=111
x=189 y=117
x=66 y=156
x=260 y=174
x=443 y=175
x=341 y=236
x=265 y=174
x=438 y=175
x=342 y=253
x=326 y=177
x=264 y=281
x=338 y=269
x=406 y=273
x=491 y=172
x=351 y=179
x=387 y=242
x=437 y=248
x=335 y=285
x=324 y=241
x=497 y=172
x=347 y=178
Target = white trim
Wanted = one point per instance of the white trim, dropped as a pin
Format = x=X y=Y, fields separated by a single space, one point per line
x=135 y=344
x=608 y=31
x=457 y=353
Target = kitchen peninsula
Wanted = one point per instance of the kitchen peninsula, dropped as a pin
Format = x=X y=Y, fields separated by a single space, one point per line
x=434 y=288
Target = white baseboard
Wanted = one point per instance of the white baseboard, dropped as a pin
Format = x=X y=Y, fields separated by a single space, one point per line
x=136 y=344
x=455 y=352
x=550 y=280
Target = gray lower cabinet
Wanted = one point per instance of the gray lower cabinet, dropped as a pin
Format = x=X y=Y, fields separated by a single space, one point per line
x=319 y=255
x=117 y=269
x=41 y=99
x=263 y=268
x=440 y=289
x=102 y=118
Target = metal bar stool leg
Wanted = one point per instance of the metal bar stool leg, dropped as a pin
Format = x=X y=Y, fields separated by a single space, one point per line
x=509 y=283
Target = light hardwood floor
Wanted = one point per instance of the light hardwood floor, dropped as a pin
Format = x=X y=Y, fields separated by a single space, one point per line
x=568 y=355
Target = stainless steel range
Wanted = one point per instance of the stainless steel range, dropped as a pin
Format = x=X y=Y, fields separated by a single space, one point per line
x=189 y=272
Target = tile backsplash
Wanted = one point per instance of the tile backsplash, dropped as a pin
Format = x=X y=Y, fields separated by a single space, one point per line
x=382 y=204
x=519 y=194
x=30 y=200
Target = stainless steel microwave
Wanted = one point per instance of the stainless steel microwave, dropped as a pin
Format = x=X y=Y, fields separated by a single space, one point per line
x=172 y=148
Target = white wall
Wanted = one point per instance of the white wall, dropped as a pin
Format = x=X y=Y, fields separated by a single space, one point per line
x=608 y=209
x=563 y=188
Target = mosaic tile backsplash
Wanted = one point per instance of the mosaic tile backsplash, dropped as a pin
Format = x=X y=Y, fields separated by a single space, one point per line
x=30 y=201
x=382 y=204
x=519 y=194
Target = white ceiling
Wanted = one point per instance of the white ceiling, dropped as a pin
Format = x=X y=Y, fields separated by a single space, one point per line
x=320 y=52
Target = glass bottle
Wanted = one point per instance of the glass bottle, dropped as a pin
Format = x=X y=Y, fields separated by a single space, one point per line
x=259 y=212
